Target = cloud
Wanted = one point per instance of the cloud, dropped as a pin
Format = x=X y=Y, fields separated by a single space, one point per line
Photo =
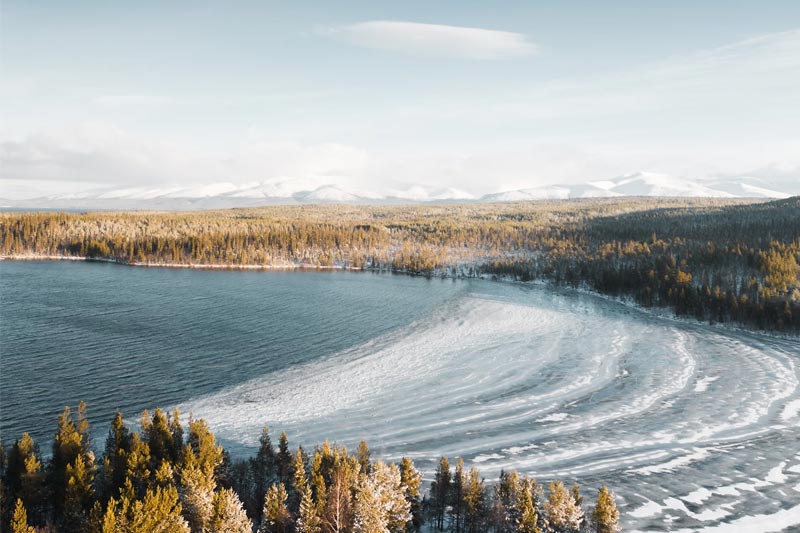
x=438 y=40
x=131 y=100
x=104 y=155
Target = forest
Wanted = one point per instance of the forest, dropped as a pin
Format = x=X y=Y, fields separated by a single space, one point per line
x=718 y=260
x=164 y=477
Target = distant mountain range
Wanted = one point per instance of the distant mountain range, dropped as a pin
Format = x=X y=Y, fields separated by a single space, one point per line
x=298 y=191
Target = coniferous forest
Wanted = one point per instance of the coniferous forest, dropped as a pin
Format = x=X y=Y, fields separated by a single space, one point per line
x=719 y=260
x=164 y=477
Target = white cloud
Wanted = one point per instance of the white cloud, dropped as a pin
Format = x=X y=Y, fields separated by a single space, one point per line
x=95 y=155
x=439 y=40
x=131 y=100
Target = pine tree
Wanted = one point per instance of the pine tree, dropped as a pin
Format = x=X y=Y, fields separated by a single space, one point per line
x=24 y=476
x=115 y=463
x=284 y=459
x=381 y=505
x=159 y=510
x=527 y=519
x=276 y=516
x=411 y=478
x=176 y=429
x=320 y=475
x=578 y=499
x=197 y=494
x=562 y=511
x=363 y=456
x=605 y=515
x=137 y=465
x=457 y=497
x=228 y=515
x=203 y=446
x=307 y=520
x=440 y=492
x=263 y=468
x=67 y=445
x=159 y=438
x=19 y=522
x=474 y=502
x=79 y=493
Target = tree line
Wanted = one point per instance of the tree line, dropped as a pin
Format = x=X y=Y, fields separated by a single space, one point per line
x=164 y=477
x=719 y=260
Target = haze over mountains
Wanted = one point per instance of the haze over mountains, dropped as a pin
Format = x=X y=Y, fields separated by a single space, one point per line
x=307 y=191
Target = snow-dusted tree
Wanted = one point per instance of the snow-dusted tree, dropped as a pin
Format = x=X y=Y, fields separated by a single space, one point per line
x=307 y=520
x=563 y=513
x=381 y=506
x=275 y=514
x=197 y=495
x=229 y=515
x=201 y=457
x=605 y=515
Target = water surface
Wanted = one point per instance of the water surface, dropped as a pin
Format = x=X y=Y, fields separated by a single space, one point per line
x=694 y=427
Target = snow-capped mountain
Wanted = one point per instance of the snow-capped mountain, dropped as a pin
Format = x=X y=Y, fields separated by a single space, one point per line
x=308 y=191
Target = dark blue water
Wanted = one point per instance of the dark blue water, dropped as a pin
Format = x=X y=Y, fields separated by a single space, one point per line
x=134 y=338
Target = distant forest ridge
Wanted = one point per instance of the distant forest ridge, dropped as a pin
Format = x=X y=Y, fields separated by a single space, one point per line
x=721 y=260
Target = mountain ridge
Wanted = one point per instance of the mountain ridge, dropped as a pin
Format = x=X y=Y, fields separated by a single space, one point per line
x=302 y=191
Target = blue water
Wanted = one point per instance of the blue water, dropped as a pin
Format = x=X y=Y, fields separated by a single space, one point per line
x=693 y=426
x=133 y=338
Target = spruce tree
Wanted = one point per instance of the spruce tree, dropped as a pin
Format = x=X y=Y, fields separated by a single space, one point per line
x=67 y=445
x=79 y=494
x=440 y=492
x=197 y=493
x=527 y=519
x=19 y=522
x=380 y=501
x=115 y=457
x=159 y=438
x=605 y=515
x=228 y=515
x=307 y=520
x=363 y=456
x=474 y=502
x=411 y=478
x=275 y=514
x=137 y=465
x=284 y=459
x=25 y=478
x=562 y=512
x=263 y=469
x=457 y=497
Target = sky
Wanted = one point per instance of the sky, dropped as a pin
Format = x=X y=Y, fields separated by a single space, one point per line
x=477 y=96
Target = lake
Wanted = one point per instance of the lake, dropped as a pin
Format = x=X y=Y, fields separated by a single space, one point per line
x=691 y=425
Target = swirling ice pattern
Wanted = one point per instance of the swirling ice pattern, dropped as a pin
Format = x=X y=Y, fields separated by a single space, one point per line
x=694 y=428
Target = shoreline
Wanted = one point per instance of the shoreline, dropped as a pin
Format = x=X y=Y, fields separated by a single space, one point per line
x=192 y=266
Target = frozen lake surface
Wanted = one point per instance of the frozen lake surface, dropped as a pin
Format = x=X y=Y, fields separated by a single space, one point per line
x=694 y=427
